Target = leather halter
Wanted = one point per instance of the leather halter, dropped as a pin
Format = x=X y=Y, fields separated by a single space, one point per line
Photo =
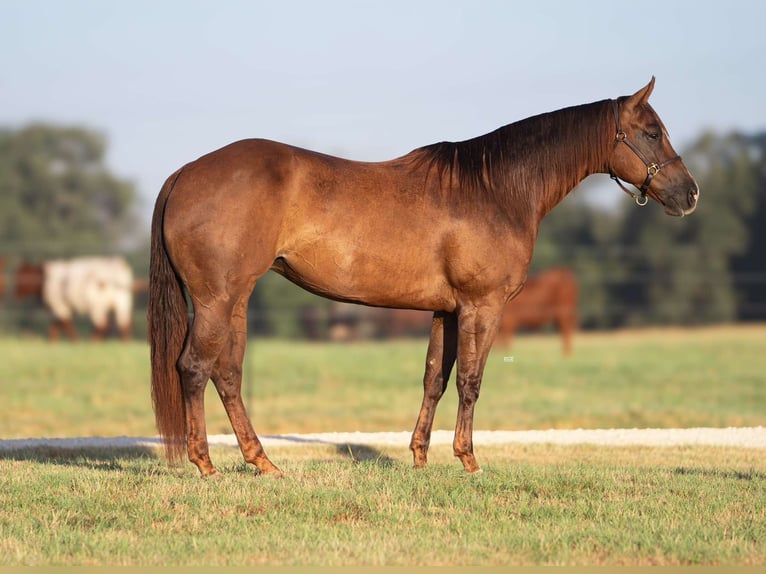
x=652 y=168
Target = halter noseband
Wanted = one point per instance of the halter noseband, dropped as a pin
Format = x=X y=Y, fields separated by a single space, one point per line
x=652 y=168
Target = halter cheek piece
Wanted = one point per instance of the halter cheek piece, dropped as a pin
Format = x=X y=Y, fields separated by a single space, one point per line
x=652 y=168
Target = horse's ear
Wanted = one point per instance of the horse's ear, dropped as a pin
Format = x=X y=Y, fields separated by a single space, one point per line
x=642 y=95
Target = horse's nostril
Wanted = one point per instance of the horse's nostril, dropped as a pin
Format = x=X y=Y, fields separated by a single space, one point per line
x=693 y=194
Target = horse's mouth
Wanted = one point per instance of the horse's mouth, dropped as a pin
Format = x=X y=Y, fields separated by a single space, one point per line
x=677 y=211
x=673 y=207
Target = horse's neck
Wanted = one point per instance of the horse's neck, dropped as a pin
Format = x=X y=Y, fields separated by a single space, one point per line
x=577 y=143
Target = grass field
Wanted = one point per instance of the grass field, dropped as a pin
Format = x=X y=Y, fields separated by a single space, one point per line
x=534 y=505
x=652 y=378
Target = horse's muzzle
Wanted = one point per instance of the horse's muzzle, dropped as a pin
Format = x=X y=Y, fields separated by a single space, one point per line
x=682 y=204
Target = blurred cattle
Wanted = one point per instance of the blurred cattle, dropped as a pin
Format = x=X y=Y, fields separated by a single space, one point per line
x=551 y=296
x=98 y=287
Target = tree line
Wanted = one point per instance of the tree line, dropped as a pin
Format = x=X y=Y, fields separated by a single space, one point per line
x=636 y=266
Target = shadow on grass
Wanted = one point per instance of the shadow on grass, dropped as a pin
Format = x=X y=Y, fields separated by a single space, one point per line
x=110 y=458
x=93 y=458
x=365 y=453
x=747 y=475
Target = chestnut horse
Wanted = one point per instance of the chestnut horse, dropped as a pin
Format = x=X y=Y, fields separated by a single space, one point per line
x=448 y=228
x=548 y=297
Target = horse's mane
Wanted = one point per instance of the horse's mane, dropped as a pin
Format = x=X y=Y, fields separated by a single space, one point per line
x=545 y=154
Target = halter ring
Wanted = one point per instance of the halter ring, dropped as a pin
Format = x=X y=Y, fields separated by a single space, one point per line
x=641 y=200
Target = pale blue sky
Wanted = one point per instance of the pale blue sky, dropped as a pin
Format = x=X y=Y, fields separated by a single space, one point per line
x=169 y=80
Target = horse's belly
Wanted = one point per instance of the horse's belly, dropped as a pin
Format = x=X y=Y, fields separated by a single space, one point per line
x=366 y=277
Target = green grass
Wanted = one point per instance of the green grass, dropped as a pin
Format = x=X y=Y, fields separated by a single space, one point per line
x=354 y=505
x=534 y=505
x=652 y=378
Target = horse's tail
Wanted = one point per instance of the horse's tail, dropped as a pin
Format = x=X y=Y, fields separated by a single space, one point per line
x=167 y=327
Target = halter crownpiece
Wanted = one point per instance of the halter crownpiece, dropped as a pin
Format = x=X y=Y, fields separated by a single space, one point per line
x=652 y=168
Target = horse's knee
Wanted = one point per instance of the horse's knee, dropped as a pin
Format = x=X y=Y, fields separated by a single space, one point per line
x=468 y=389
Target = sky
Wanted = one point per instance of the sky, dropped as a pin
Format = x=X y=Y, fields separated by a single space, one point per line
x=169 y=80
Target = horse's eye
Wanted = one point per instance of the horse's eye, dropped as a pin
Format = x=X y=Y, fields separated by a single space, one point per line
x=653 y=135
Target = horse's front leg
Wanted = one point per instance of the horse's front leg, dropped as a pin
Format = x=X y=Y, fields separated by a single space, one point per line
x=440 y=358
x=477 y=327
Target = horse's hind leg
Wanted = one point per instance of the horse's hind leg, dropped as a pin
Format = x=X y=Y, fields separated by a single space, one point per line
x=227 y=377
x=440 y=358
x=207 y=336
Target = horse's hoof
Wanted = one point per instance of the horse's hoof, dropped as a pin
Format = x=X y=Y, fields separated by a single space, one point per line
x=272 y=473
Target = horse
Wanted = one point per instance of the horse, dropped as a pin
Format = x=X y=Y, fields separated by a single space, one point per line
x=447 y=228
x=549 y=296
x=92 y=286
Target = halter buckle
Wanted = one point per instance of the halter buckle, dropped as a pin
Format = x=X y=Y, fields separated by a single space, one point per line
x=652 y=169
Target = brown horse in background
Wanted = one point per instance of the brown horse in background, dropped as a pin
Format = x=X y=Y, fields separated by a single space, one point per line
x=549 y=297
x=448 y=228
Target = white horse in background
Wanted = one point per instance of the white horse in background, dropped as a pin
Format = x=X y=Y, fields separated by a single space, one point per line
x=91 y=286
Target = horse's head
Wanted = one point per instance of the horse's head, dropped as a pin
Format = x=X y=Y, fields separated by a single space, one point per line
x=643 y=156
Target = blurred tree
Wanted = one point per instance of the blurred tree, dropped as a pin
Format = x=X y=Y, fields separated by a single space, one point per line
x=578 y=234
x=750 y=267
x=684 y=272
x=57 y=197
